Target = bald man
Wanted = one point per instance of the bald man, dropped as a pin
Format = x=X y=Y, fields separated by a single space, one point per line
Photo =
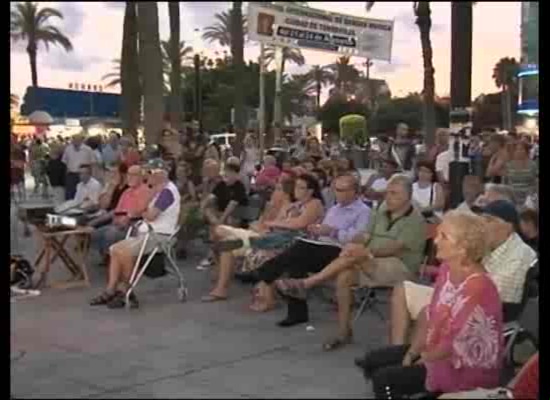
x=133 y=202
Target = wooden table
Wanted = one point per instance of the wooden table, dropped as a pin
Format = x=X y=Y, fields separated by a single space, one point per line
x=55 y=245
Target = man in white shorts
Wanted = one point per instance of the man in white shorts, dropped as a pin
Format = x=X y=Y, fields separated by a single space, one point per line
x=507 y=265
x=162 y=215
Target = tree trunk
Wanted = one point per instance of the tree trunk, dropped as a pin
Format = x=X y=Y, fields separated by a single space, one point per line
x=175 y=73
x=424 y=23
x=151 y=67
x=318 y=88
x=31 y=50
x=277 y=104
x=129 y=74
x=237 y=51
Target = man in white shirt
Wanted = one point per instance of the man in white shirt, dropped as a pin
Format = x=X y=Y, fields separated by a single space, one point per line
x=442 y=162
x=75 y=155
x=162 y=215
x=88 y=190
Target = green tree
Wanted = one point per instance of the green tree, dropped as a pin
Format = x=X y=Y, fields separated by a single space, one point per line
x=128 y=74
x=297 y=94
x=150 y=62
x=30 y=23
x=184 y=56
x=505 y=76
x=288 y=54
x=335 y=108
x=344 y=75
x=319 y=76
x=422 y=13
x=220 y=32
x=176 y=53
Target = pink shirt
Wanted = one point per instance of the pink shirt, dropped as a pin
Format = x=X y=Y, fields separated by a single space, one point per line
x=464 y=319
x=268 y=176
x=134 y=200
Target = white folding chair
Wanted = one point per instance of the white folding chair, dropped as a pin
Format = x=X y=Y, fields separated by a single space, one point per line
x=163 y=245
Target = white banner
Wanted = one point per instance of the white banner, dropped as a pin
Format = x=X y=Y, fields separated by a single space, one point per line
x=309 y=28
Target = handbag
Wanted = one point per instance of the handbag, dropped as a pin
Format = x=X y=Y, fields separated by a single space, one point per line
x=275 y=240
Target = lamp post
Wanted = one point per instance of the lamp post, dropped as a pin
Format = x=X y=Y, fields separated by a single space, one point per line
x=261 y=113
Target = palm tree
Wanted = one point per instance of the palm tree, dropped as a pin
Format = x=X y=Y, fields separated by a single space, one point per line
x=113 y=78
x=288 y=54
x=237 y=52
x=185 y=56
x=174 y=52
x=128 y=73
x=422 y=13
x=319 y=76
x=221 y=31
x=150 y=62
x=14 y=101
x=28 y=22
x=343 y=75
x=297 y=94
x=504 y=74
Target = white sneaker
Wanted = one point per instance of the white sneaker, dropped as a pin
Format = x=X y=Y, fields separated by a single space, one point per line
x=204 y=264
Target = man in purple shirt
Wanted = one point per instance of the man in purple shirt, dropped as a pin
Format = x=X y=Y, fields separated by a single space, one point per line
x=343 y=221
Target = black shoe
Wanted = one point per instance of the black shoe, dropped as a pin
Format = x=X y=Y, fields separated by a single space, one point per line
x=247 y=277
x=288 y=322
x=181 y=254
x=360 y=363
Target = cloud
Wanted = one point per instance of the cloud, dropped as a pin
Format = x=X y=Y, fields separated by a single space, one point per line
x=95 y=30
x=73 y=17
x=75 y=61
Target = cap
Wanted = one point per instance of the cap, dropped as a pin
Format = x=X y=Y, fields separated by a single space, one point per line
x=503 y=210
x=156 y=164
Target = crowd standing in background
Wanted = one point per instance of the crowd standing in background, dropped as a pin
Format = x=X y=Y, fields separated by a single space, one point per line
x=319 y=221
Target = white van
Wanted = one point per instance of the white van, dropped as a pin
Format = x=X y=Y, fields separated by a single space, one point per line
x=224 y=140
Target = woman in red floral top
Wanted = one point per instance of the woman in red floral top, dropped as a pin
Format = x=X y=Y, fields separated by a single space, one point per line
x=459 y=345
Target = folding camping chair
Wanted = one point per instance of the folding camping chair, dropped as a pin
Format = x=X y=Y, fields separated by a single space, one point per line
x=513 y=330
x=162 y=245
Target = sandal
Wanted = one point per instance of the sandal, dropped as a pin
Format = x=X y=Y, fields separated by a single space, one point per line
x=212 y=298
x=103 y=299
x=119 y=301
x=337 y=342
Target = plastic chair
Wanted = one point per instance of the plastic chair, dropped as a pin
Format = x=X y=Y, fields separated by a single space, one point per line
x=162 y=245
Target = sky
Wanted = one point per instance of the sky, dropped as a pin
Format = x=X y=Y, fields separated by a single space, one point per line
x=95 y=29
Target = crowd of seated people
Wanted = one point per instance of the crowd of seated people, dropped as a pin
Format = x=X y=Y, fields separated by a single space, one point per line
x=321 y=225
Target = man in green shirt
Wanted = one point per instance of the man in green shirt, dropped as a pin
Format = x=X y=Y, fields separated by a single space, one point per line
x=388 y=253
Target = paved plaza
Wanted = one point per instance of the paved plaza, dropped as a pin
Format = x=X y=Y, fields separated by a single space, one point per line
x=62 y=348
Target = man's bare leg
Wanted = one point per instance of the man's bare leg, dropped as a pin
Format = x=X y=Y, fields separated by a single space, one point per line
x=226 y=263
x=331 y=271
x=345 y=280
x=400 y=319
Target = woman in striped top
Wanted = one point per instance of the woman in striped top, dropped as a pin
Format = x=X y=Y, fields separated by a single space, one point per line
x=521 y=172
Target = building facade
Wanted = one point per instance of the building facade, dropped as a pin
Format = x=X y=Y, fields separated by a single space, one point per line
x=528 y=76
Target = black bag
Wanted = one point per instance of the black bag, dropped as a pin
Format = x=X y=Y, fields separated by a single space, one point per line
x=156 y=268
x=21 y=272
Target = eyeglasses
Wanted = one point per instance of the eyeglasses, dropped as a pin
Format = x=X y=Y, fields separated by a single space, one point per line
x=341 y=190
